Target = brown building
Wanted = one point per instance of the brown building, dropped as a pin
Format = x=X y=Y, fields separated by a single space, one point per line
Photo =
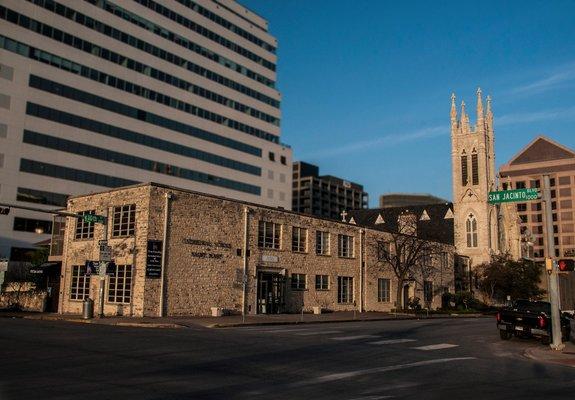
x=526 y=170
x=292 y=261
x=325 y=196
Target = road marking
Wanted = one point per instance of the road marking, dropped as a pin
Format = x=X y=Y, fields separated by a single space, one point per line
x=439 y=346
x=360 y=372
x=343 y=338
x=317 y=333
x=286 y=330
x=392 y=341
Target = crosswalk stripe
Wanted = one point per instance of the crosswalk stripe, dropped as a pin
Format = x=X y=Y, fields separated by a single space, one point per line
x=392 y=341
x=343 y=338
x=439 y=346
x=317 y=333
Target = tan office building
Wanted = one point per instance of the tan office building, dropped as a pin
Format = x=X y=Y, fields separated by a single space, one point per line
x=101 y=94
x=525 y=170
x=292 y=261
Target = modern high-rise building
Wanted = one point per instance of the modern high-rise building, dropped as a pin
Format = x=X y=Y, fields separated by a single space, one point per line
x=97 y=94
x=326 y=195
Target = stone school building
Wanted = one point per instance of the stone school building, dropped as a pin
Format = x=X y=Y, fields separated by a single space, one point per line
x=235 y=256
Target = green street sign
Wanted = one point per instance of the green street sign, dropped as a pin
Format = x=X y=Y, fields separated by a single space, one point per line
x=93 y=218
x=509 y=196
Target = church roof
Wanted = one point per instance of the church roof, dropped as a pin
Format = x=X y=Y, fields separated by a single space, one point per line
x=542 y=149
x=436 y=224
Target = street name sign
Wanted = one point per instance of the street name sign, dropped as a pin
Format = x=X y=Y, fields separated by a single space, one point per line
x=93 y=218
x=509 y=196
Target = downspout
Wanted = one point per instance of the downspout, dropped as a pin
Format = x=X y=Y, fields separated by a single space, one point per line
x=245 y=261
x=361 y=270
x=167 y=198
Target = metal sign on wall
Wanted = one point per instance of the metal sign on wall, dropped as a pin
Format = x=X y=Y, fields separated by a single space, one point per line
x=154 y=259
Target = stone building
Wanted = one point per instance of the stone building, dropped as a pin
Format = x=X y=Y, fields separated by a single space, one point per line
x=481 y=229
x=203 y=243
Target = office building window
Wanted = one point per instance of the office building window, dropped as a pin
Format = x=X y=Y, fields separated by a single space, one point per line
x=84 y=230
x=298 y=281
x=299 y=239
x=269 y=235
x=32 y=225
x=272 y=156
x=80 y=283
x=321 y=282
x=283 y=160
x=521 y=207
x=120 y=285
x=383 y=290
x=124 y=220
x=322 y=242
x=344 y=289
x=520 y=185
x=345 y=246
x=41 y=197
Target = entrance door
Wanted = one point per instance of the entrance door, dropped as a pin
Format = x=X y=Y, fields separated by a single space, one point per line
x=271 y=289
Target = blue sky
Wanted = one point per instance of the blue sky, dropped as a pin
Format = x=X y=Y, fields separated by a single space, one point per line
x=366 y=84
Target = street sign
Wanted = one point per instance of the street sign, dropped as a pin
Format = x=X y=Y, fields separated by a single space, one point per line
x=93 y=218
x=105 y=253
x=509 y=196
x=93 y=268
x=154 y=259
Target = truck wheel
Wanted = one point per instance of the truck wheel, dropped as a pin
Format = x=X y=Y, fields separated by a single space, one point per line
x=504 y=335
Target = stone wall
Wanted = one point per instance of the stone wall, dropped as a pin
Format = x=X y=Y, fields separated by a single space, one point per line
x=32 y=300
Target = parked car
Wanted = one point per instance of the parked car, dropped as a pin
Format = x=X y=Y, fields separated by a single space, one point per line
x=526 y=318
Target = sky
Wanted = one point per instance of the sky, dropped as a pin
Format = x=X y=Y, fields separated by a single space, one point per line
x=366 y=84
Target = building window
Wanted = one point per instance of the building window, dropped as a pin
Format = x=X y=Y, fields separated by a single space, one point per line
x=32 y=225
x=84 y=230
x=464 y=176
x=345 y=246
x=120 y=285
x=322 y=242
x=41 y=197
x=428 y=291
x=535 y=184
x=321 y=282
x=344 y=289
x=272 y=156
x=383 y=290
x=299 y=239
x=521 y=207
x=383 y=250
x=298 y=281
x=471 y=230
x=520 y=185
x=475 y=169
x=269 y=235
x=283 y=160
x=124 y=220
x=80 y=285
x=564 y=180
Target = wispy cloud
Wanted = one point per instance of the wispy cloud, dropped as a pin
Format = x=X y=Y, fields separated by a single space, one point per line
x=560 y=76
x=545 y=115
x=380 y=142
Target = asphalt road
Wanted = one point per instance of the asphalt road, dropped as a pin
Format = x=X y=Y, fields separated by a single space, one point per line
x=426 y=359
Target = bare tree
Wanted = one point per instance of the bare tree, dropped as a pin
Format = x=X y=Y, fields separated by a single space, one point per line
x=409 y=257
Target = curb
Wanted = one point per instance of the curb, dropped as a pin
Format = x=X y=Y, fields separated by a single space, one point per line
x=566 y=361
x=98 y=322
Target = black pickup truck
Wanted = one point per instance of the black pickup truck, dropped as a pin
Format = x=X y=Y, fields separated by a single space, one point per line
x=526 y=318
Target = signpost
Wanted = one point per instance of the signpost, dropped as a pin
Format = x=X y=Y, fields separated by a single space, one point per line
x=517 y=195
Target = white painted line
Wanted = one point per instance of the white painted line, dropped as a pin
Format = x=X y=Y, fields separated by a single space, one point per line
x=392 y=341
x=343 y=338
x=317 y=333
x=439 y=346
x=360 y=372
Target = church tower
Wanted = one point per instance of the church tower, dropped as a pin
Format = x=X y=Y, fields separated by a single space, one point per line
x=474 y=176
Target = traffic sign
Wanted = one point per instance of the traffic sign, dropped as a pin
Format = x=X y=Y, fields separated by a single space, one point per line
x=509 y=196
x=94 y=218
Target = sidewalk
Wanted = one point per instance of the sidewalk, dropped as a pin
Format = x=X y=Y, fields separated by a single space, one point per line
x=235 y=320
x=547 y=355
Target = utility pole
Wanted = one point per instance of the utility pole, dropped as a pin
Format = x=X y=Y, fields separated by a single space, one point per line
x=556 y=343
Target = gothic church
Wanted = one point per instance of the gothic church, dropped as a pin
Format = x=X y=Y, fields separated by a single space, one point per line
x=481 y=229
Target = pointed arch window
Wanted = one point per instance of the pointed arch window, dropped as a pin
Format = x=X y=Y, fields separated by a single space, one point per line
x=474 y=168
x=464 y=171
x=471 y=230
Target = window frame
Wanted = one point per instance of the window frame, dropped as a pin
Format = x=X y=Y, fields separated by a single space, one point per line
x=84 y=230
x=299 y=239
x=322 y=243
x=276 y=235
x=119 y=228
x=383 y=293
x=322 y=282
x=123 y=292
x=79 y=283
x=345 y=246
x=345 y=296
x=298 y=281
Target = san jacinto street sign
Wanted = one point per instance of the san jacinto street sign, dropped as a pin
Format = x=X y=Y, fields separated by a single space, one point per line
x=508 y=196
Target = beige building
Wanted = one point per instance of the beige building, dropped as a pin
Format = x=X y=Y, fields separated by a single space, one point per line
x=292 y=261
x=481 y=229
x=102 y=94
x=526 y=170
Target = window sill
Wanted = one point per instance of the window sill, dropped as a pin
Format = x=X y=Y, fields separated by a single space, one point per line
x=122 y=237
x=299 y=252
x=347 y=258
x=268 y=249
x=323 y=255
x=321 y=290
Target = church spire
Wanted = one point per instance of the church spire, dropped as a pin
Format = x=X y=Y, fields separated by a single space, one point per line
x=480 y=128
x=464 y=119
x=453 y=115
